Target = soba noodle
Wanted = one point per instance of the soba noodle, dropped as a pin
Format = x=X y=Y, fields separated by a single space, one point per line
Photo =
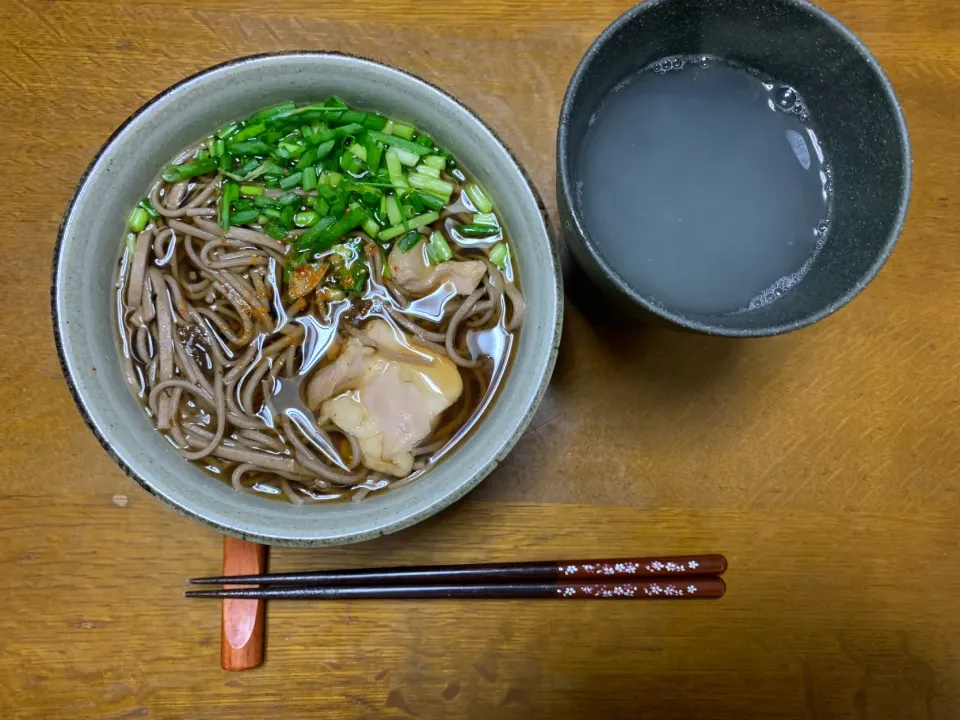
x=254 y=345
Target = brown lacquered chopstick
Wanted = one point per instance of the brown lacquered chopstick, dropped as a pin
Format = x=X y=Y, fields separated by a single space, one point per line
x=676 y=588
x=505 y=573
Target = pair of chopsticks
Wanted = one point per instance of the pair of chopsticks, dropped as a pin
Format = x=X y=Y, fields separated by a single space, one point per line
x=688 y=577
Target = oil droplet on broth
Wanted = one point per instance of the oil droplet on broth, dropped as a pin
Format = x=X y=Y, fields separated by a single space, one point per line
x=703 y=184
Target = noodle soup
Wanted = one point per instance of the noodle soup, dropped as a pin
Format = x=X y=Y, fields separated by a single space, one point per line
x=316 y=302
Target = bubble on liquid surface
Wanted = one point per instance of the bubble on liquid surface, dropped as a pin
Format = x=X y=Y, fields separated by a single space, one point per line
x=785 y=97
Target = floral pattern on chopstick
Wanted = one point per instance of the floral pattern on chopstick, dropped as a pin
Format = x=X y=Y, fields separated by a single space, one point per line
x=626 y=590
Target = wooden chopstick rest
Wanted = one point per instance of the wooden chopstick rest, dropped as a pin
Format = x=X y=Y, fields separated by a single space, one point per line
x=242 y=620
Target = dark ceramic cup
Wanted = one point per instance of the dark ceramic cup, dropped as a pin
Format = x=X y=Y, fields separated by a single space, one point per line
x=859 y=122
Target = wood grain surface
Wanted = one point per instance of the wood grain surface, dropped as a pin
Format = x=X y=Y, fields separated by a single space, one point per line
x=825 y=464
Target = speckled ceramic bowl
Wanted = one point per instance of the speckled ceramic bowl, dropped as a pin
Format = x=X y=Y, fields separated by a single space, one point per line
x=88 y=249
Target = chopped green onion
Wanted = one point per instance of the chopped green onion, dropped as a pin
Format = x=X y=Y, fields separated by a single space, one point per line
x=393 y=210
x=334 y=178
x=485 y=219
x=304 y=114
x=374 y=121
x=138 y=219
x=340 y=132
x=290 y=181
x=424 y=140
x=272 y=213
x=289 y=200
x=179 y=173
x=248 y=133
x=217 y=147
x=359 y=150
x=251 y=147
x=228 y=195
x=424 y=169
x=374 y=154
x=402 y=130
x=265 y=202
x=227 y=131
x=438 y=250
x=475 y=230
x=351 y=164
x=395 y=170
x=131 y=242
x=385 y=272
x=251 y=190
x=388 y=128
x=353 y=116
x=324 y=148
x=499 y=255
x=321 y=237
x=286 y=217
x=244 y=216
x=416 y=203
x=397 y=230
x=148 y=206
x=408 y=241
x=407 y=158
x=276 y=232
x=307 y=159
x=307 y=218
x=247 y=168
x=290 y=149
x=430 y=201
x=263 y=219
x=434 y=186
x=436 y=161
x=354 y=279
x=370 y=227
x=399 y=142
x=309 y=179
x=271 y=111
x=321 y=206
x=344 y=251
x=479 y=198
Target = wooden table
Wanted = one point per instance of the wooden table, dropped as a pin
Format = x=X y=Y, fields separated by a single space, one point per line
x=823 y=463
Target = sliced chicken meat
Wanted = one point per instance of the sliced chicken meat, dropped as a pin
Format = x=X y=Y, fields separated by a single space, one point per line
x=388 y=404
x=413 y=274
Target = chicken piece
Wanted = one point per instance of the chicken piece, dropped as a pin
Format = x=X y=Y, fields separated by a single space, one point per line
x=387 y=404
x=414 y=275
x=340 y=374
